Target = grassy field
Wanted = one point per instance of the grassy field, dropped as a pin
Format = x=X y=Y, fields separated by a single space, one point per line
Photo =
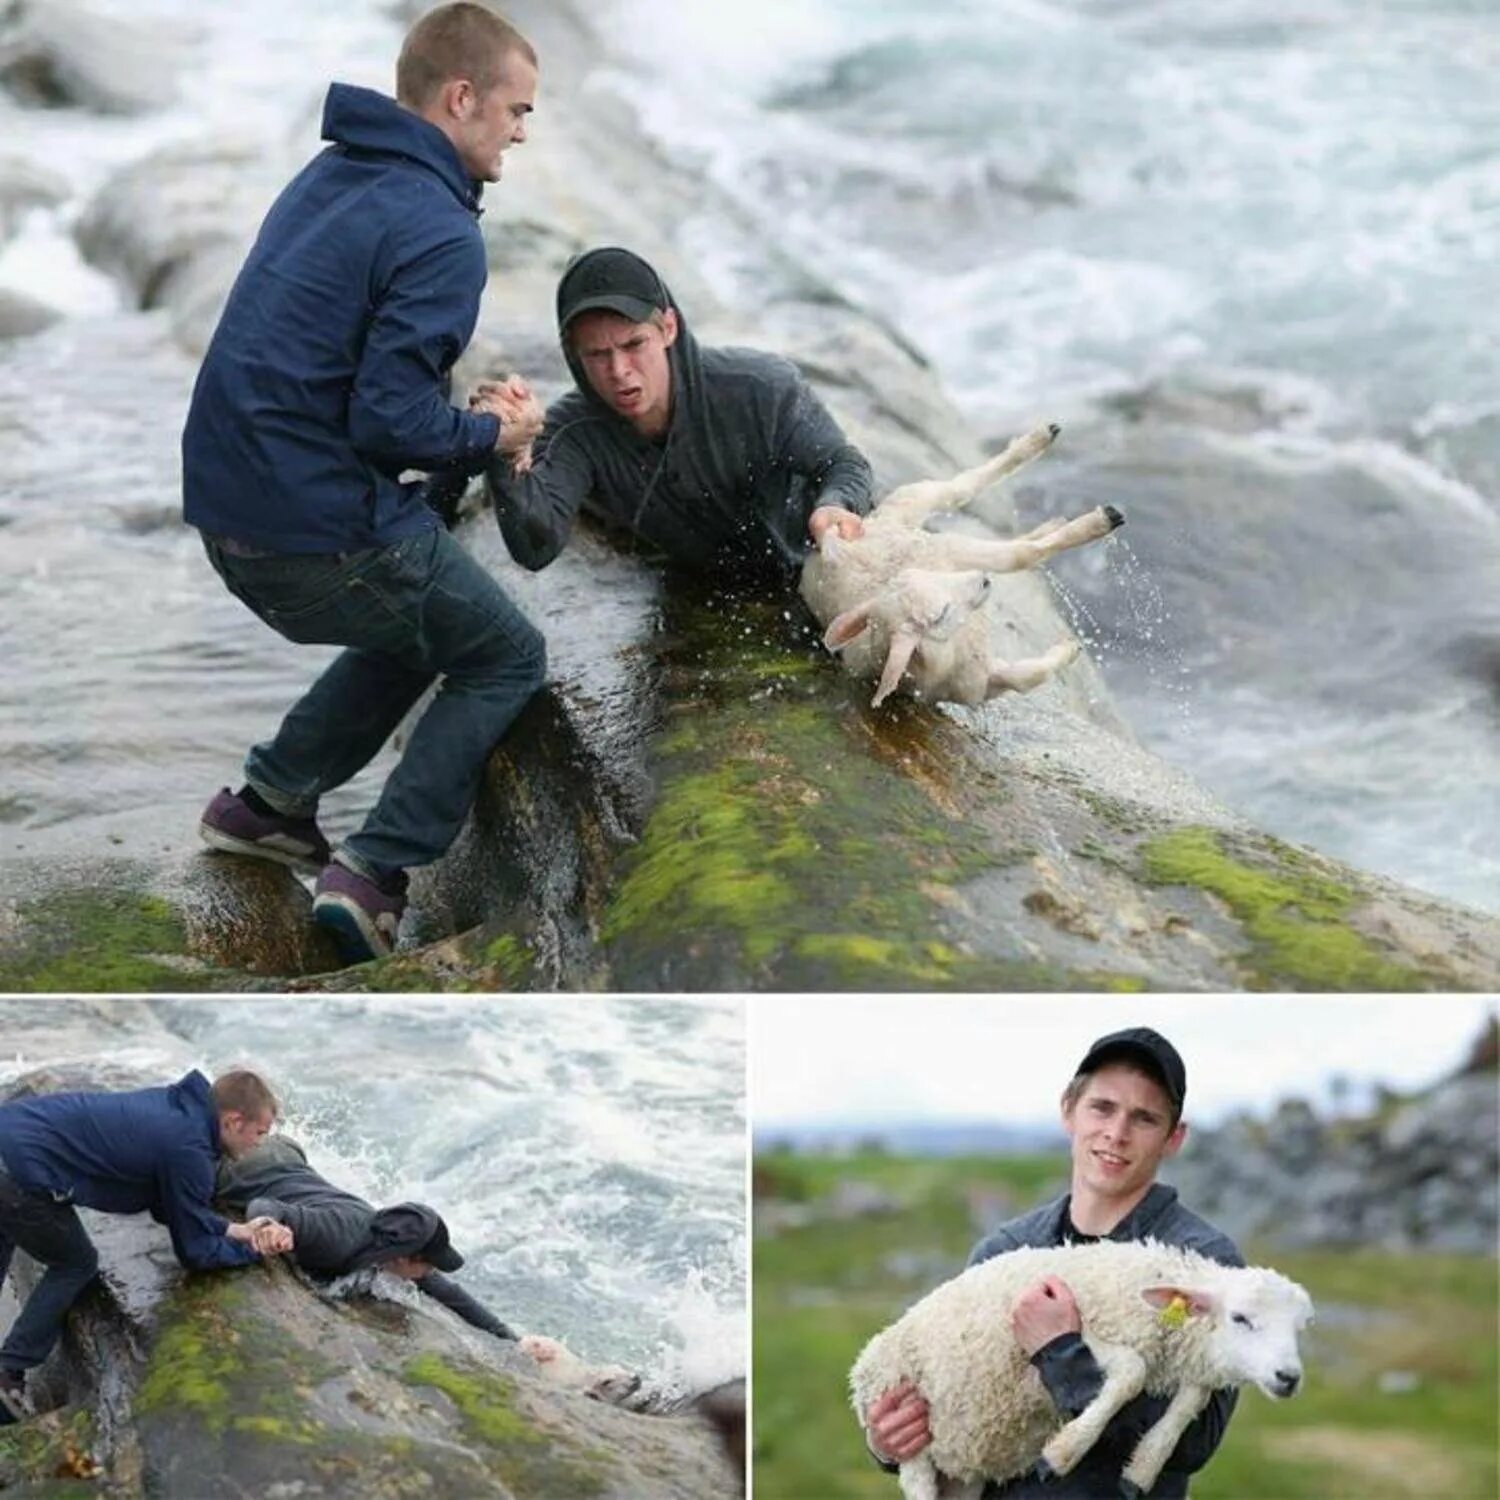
x=1427 y=1322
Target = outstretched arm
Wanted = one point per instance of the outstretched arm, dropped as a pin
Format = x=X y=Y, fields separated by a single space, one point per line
x=811 y=443
x=457 y=1300
x=536 y=505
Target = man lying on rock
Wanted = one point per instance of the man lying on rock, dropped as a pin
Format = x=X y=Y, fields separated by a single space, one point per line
x=336 y=1233
x=144 y=1150
x=711 y=457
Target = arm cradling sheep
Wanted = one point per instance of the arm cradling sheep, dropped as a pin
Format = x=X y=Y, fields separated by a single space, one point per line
x=1156 y=1318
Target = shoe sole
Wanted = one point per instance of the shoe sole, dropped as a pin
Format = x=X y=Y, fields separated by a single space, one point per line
x=226 y=843
x=359 y=939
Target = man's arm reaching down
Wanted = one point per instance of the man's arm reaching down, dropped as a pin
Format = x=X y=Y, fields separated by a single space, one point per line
x=536 y=507
x=458 y=1301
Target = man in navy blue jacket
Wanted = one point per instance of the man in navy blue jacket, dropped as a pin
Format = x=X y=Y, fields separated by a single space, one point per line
x=326 y=381
x=144 y=1151
x=1123 y=1114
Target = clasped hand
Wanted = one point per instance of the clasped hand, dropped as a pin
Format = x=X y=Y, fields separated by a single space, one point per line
x=520 y=415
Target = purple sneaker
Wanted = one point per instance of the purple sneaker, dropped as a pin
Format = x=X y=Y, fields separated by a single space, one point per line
x=230 y=824
x=13 y=1403
x=362 y=917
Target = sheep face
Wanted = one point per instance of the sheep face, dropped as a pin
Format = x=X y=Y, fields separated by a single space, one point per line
x=920 y=606
x=1255 y=1320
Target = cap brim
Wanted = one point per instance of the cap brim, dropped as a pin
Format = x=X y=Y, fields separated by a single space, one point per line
x=446 y=1259
x=637 y=309
x=1098 y=1056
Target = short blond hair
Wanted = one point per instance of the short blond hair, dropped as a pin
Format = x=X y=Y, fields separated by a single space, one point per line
x=241 y=1092
x=463 y=40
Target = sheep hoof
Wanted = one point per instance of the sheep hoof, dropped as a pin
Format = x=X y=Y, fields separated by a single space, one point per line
x=1053 y=428
x=1130 y=1490
x=1043 y=1472
x=1116 y=518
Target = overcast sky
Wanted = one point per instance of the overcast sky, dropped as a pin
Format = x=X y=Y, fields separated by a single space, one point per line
x=832 y=1058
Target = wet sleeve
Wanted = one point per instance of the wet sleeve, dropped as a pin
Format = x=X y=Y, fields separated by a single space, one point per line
x=1070 y=1373
x=399 y=413
x=813 y=444
x=185 y=1184
x=457 y=1300
x=536 y=510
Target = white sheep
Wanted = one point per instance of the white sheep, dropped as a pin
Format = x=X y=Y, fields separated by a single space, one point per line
x=1157 y=1318
x=902 y=602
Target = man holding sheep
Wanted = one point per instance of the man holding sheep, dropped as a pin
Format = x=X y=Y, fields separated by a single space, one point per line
x=1123 y=1115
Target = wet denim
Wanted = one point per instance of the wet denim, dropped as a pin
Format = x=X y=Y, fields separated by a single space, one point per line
x=409 y=613
x=52 y=1235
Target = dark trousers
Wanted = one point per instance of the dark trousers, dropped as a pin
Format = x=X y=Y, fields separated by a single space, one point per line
x=51 y=1234
x=420 y=609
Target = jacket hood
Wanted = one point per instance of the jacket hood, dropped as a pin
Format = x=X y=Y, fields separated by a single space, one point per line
x=365 y=120
x=193 y=1094
x=408 y=1229
x=587 y=279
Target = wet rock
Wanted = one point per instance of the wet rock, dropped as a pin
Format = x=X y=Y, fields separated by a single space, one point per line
x=241 y=1381
x=59 y=54
x=21 y=315
x=24 y=187
x=207 y=922
x=174 y=226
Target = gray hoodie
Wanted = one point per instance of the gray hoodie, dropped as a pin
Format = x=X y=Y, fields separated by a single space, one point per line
x=749 y=454
x=335 y=1231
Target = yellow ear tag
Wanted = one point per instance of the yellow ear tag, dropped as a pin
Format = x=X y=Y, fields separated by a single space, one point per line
x=1175 y=1313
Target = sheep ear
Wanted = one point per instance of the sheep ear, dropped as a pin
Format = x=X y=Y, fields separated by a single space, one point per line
x=903 y=645
x=1178 y=1303
x=848 y=626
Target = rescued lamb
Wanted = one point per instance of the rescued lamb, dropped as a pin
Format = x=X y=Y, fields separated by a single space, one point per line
x=1157 y=1318
x=611 y=1383
x=905 y=603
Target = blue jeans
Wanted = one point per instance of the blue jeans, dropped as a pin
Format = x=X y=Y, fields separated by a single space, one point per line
x=419 y=609
x=52 y=1235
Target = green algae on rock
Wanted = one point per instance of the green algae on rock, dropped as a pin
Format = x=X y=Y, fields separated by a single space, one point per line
x=1295 y=916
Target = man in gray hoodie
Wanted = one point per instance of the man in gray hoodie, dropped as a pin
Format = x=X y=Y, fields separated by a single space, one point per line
x=336 y=1232
x=1123 y=1115
x=719 y=459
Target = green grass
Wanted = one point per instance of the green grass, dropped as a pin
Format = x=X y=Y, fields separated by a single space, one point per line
x=822 y=1290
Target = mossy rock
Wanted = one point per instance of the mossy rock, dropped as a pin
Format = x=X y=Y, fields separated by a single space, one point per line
x=1293 y=908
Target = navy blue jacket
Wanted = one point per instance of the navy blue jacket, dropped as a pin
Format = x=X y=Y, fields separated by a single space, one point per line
x=328 y=374
x=144 y=1151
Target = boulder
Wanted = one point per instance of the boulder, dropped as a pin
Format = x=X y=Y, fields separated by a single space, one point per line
x=24 y=187
x=59 y=54
x=181 y=1384
x=21 y=316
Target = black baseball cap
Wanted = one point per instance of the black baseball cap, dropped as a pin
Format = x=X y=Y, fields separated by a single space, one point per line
x=1148 y=1048
x=408 y=1229
x=609 y=280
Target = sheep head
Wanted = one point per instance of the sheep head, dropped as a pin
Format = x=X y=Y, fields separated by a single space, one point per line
x=918 y=606
x=1255 y=1319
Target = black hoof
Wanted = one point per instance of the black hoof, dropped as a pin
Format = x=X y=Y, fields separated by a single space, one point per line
x=1053 y=428
x=1043 y=1472
x=1129 y=1491
x=1116 y=518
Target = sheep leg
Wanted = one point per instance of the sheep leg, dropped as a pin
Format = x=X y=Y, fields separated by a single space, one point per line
x=991 y=555
x=1158 y=1444
x=914 y=503
x=1124 y=1378
x=1022 y=676
x=1045 y=529
x=920 y=1479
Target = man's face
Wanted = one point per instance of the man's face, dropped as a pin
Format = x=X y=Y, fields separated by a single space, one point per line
x=1121 y=1129
x=240 y=1133
x=627 y=365
x=488 y=125
x=407 y=1267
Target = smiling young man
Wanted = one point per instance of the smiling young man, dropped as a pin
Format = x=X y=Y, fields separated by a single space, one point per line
x=1123 y=1115
x=327 y=380
x=714 y=458
x=140 y=1151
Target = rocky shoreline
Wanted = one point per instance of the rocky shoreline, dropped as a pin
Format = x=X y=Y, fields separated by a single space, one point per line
x=172 y=1383
x=701 y=801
